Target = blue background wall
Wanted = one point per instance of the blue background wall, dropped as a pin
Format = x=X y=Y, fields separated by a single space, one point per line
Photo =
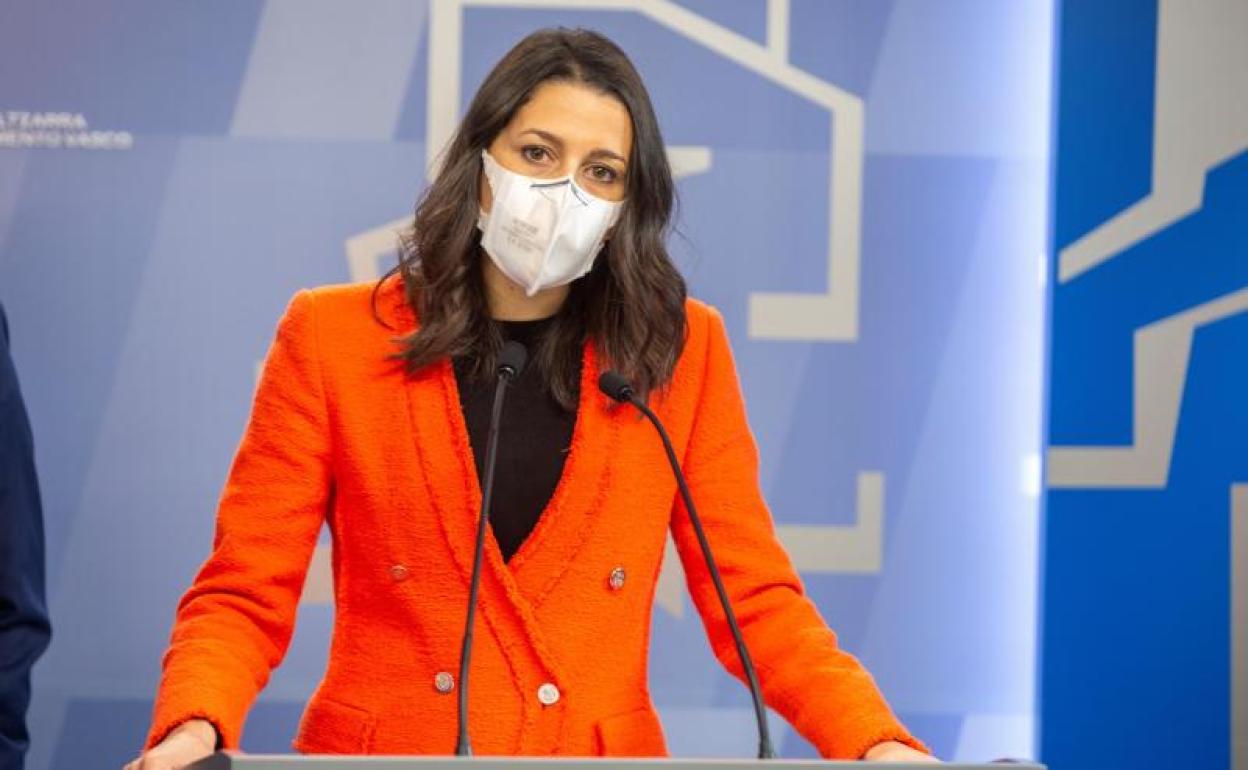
x=1148 y=468
x=263 y=146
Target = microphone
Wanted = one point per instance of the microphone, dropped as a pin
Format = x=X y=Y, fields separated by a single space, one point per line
x=617 y=387
x=510 y=363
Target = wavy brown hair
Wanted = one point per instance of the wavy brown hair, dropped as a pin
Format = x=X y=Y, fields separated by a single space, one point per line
x=631 y=304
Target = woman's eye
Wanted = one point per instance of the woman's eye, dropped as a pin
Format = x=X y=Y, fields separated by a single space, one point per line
x=604 y=174
x=534 y=154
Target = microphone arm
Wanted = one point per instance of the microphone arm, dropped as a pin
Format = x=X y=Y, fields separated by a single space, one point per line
x=511 y=363
x=617 y=387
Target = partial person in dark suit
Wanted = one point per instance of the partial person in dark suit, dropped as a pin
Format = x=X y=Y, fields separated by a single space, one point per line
x=24 y=627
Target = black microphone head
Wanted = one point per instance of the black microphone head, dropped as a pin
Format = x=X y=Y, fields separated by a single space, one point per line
x=512 y=360
x=616 y=386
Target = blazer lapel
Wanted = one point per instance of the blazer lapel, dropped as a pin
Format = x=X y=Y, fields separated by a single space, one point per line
x=568 y=520
x=443 y=453
x=445 y=458
x=571 y=515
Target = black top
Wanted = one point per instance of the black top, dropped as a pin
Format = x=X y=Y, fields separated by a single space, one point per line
x=535 y=436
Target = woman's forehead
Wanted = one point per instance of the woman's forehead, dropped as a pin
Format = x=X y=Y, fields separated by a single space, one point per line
x=579 y=116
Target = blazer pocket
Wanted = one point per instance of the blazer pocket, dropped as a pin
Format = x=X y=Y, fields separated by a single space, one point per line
x=632 y=734
x=330 y=727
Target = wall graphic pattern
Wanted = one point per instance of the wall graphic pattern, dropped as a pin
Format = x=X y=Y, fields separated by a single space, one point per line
x=861 y=196
x=1145 y=616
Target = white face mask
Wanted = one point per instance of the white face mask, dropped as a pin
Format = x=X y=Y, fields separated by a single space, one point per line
x=542 y=232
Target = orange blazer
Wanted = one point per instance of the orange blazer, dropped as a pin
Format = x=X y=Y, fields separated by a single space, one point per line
x=339 y=434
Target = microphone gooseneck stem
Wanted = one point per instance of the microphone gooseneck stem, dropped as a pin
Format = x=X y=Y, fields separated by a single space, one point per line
x=463 y=748
x=765 y=750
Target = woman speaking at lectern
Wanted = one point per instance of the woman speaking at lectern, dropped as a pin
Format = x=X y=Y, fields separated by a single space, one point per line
x=545 y=225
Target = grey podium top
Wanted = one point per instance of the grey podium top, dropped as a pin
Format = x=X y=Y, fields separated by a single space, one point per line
x=321 y=762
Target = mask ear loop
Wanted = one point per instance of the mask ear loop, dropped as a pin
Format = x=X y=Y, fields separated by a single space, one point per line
x=616 y=210
x=486 y=171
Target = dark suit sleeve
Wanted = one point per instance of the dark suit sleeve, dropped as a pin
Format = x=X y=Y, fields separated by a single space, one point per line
x=24 y=628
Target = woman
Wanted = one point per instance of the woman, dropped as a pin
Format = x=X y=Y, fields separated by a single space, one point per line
x=545 y=224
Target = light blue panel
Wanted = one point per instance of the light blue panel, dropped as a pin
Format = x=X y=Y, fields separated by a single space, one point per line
x=12 y=167
x=329 y=70
x=961 y=77
x=78 y=241
x=127 y=65
x=840 y=40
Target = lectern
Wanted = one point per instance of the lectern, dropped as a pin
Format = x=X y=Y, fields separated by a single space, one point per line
x=299 y=762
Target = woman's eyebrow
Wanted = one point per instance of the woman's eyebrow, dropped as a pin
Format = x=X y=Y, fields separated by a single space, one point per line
x=544 y=135
x=558 y=143
x=601 y=153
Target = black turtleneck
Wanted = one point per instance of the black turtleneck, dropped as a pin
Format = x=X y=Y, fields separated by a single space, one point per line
x=534 y=438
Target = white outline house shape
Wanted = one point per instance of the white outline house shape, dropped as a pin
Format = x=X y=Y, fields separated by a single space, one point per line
x=828 y=317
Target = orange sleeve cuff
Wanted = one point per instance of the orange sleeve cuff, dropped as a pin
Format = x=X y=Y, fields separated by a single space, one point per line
x=221 y=697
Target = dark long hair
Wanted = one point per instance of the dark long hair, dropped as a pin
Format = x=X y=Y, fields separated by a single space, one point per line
x=631 y=304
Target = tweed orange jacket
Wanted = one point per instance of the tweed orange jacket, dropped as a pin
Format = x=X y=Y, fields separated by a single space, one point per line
x=339 y=434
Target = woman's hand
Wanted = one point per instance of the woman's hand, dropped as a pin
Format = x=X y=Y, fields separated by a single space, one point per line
x=892 y=751
x=189 y=741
